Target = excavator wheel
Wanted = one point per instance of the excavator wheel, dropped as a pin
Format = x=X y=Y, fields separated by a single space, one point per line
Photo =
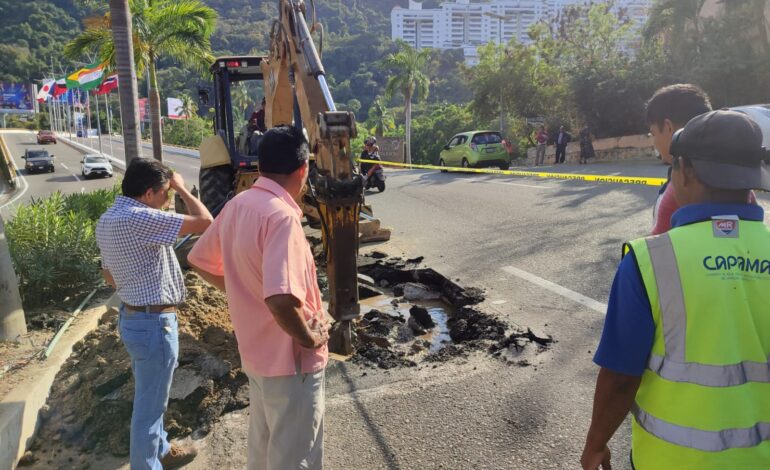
x=215 y=184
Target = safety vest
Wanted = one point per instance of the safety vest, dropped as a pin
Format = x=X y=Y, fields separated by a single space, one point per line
x=704 y=399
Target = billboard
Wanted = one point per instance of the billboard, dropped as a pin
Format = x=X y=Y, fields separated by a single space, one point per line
x=392 y=149
x=16 y=98
x=144 y=110
x=175 y=108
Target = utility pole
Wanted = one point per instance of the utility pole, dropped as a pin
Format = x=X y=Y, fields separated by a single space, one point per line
x=124 y=53
x=500 y=19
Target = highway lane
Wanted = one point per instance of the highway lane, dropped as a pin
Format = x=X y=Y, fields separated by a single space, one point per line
x=66 y=178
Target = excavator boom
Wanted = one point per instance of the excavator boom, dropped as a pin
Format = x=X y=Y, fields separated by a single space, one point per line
x=297 y=94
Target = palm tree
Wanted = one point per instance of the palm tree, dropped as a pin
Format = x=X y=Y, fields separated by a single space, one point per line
x=189 y=108
x=240 y=98
x=679 y=22
x=409 y=80
x=380 y=118
x=179 y=29
x=124 y=50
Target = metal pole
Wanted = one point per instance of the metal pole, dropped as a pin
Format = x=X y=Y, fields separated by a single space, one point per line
x=500 y=38
x=109 y=123
x=98 y=123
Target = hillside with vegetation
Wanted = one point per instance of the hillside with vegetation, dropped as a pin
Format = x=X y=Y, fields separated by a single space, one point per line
x=574 y=72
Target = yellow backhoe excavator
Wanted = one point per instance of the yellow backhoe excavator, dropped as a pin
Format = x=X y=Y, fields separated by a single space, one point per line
x=296 y=94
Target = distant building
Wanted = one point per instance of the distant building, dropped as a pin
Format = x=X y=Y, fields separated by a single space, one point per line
x=466 y=25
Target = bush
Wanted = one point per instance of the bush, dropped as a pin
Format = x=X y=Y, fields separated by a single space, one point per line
x=187 y=132
x=53 y=245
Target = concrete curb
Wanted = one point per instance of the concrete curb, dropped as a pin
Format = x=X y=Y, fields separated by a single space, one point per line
x=19 y=409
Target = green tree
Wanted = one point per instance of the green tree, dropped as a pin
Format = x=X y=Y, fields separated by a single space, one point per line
x=180 y=30
x=408 y=79
x=380 y=119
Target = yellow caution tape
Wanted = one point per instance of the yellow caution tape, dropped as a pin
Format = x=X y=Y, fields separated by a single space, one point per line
x=639 y=180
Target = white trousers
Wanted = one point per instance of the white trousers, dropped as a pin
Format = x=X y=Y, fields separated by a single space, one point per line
x=286 y=422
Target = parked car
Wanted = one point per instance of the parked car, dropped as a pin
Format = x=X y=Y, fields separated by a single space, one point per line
x=95 y=164
x=760 y=113
x=475 y=149
x=38 y=161
x=46 y=137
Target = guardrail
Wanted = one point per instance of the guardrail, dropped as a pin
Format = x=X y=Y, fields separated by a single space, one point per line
x=6 y=162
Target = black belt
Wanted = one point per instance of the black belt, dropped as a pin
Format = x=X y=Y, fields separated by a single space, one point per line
x=151 y=308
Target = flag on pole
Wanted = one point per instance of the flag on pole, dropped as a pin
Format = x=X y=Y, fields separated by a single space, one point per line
x=109 y=84
x=59 y=87
x=87 y=78
x=45 y=91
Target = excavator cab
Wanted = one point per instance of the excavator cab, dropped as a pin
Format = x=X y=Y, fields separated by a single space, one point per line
x=229 y=158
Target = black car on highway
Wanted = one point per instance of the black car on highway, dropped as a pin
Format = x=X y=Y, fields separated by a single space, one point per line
x=38 y=161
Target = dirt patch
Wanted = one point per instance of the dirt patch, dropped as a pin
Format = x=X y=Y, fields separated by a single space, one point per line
x=91 y=401
x=425 y=317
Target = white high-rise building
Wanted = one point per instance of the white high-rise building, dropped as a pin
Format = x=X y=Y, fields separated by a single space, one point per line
x=462 y=24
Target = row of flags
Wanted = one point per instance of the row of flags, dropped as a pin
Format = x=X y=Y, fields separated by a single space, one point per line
x=86 y=79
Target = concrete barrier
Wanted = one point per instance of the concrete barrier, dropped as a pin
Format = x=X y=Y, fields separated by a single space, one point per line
x=613 y=149
x=7 y=167
x=20 y=409
x=12 y=321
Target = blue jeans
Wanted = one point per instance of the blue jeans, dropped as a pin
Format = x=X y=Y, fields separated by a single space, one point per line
x=152 y=341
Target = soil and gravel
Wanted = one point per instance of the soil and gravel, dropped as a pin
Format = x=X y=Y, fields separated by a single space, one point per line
x=432 y=320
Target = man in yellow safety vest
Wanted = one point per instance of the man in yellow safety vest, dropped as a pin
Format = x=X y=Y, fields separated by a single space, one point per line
x=686 y=340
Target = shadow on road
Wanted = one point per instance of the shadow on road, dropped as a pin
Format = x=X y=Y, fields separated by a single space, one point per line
x=388 y=454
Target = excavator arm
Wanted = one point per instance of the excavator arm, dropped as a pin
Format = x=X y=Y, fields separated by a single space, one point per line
x=297 y=94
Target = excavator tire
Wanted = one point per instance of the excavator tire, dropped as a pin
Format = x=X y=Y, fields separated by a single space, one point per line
x=215 y=185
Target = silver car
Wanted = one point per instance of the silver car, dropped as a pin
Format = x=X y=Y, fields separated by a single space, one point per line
x=94 y=164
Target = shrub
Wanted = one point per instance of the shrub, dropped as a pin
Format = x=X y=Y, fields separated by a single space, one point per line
x=53 y=245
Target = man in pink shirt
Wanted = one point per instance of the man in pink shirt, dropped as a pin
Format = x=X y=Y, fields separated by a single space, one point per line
x=669 y=109
x=257 y=252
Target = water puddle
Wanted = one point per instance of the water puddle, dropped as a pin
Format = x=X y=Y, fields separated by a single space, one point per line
x=439 y=312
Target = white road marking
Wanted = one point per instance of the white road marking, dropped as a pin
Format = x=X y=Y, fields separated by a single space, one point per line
x=25 y=187
x=65 y=166
x=555 y=288
x=77 y=178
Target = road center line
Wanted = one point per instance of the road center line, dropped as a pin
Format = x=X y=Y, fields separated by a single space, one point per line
x=557 y=289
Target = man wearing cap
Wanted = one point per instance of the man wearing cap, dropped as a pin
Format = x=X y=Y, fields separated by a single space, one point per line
x=686 y=339
x=257 y=252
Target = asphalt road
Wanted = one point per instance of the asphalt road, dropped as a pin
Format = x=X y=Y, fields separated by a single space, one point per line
x=545 y=252
x=187 y=166
x=66 y=178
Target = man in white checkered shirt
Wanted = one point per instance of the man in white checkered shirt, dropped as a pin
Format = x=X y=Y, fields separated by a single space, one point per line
x=136 y=238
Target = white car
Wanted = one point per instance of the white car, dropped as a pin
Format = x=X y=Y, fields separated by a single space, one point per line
x=760 y=113
x=95 y=164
